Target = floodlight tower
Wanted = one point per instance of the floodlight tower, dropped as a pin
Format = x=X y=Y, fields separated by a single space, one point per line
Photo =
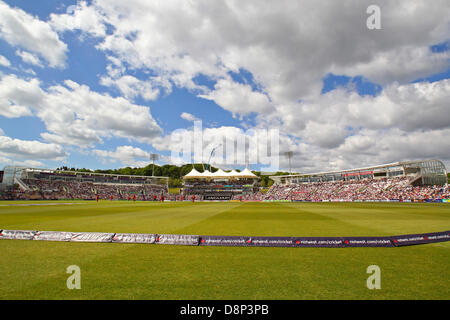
x=210 y=155
x=289 y=154
x=154 y=157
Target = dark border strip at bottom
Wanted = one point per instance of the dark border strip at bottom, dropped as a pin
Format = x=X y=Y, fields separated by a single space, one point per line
x=233 y=241
x=326 y=242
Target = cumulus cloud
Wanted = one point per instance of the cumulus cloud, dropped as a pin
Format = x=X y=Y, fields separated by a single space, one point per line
x=375 y=147
x=325 y=135
x=294 y=45
x=80 y=17
x=30 y=149
x=126 y=155
x=4 y=62
x=342 y=129
x=19 y=28
x=232 y=146
x=18 y=96
x=400 y=65
x=29 y=58
x=189 y=117
x=131 y=87
x=340 y=113
x=238 y=98
x=75 y=115
x=287 y=47
x=24 y=163
x=394 y=145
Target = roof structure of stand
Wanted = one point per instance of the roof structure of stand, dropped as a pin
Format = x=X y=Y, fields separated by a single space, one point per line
x=220 y=174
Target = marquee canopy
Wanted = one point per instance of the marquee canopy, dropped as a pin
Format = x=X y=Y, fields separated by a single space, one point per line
x=220 y=174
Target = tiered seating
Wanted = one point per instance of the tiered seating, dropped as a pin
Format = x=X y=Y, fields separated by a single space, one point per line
x=59 y=189
x=367 y=189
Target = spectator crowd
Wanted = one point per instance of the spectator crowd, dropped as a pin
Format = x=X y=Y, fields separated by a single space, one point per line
x=59 y=189
x=355 y=190
x=363 y=190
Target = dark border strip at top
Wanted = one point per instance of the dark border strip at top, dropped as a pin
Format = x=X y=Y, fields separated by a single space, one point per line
x=233 y=241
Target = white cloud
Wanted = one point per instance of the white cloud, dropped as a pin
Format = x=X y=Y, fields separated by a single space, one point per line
x=29 y=58
x=325 y=135
x=25 y=163
x=188 y=117
x=238 y=98
x=288 y=53
x=399 y=65
x=17 y=96
x=30 y=149
x=30 y=163
x=83 y=17
x=4 y=62
x=371 y=146
x=126 y=155
x=232 y=146
x=131 y=87
x=29 y=71
x=19 y=28
x=343 y=130
x=288 y=46
x=340 y=113
x=75 y=115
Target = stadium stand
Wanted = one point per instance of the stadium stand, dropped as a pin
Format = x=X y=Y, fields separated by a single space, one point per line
x=401 y=181
x=361 y=190
x=219 y=185
x=38 y=184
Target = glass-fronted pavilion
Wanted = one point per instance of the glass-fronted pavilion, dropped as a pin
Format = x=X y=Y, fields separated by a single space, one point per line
x=422 y=172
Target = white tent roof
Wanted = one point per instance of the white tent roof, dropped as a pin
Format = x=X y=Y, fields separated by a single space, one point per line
x=220 y=174
x=207 y=174
x=194 y=174
x=246 y=173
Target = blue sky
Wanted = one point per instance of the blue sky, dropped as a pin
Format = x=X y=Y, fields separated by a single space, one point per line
x=332 y=104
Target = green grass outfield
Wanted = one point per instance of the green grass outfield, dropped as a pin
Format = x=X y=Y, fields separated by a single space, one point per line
x=37 y=269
